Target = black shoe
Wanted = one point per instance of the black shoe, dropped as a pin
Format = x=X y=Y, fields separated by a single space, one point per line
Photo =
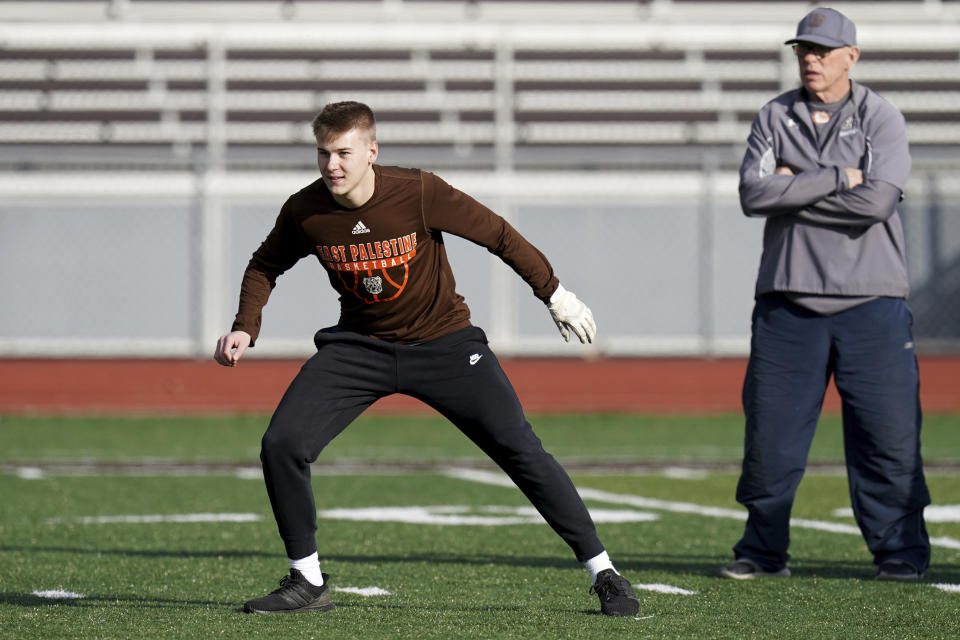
x=616 y=594
x=746 y=569
x=897 y=569
x=295 y=595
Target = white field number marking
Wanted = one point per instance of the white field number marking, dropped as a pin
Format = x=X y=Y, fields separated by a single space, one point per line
x=459 y=515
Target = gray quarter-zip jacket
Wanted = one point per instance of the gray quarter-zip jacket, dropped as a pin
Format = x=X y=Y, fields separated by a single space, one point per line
x=822 y=237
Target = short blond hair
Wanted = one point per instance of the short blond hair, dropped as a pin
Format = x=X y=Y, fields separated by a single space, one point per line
x=340 y=117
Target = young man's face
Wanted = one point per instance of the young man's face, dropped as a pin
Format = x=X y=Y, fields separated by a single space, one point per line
x=345 y=160
x=825 y=72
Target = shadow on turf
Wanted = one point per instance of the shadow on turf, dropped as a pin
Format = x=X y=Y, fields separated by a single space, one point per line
x=445 y=608
x=635 y=565
x=631 y=564
x=31 y=600
x=425 y=558
x=143 y=553
x=799 y=567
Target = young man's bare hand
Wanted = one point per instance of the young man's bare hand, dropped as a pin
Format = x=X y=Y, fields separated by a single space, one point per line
x=230 y=347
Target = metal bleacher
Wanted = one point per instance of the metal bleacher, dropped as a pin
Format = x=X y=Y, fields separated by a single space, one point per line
x=475 y=83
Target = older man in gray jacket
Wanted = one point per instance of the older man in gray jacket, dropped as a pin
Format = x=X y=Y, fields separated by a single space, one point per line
x=825 y=166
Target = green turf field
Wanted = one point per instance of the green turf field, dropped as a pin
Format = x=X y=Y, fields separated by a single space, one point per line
x=108 y=529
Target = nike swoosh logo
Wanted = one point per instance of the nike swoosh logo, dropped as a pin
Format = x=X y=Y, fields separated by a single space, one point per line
x=475 y=358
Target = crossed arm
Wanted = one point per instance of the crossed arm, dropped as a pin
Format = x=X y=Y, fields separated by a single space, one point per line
x=824 y=194
x=845 y=198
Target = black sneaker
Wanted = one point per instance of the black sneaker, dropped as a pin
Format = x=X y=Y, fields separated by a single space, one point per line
x=616 y=594
x=746 y=569
x=897 y=569
x=295 y=595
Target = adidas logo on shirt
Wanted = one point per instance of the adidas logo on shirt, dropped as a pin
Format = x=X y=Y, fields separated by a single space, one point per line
x=360 y=228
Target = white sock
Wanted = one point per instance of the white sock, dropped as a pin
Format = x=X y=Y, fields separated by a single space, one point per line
x=310 y=568
x=597 y=564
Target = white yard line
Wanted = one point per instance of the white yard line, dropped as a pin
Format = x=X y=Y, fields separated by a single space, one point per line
x=946 y=542
x=823 y=525
x=933 y=513
x=486 y=516
x=58 y=594
x=366 y=592
x=684 y=473
x=157 y=518
x=949 y=588
x=500 y=479
x=659 y=587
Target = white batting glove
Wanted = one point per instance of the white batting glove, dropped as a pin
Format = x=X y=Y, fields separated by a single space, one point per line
x=572 y=315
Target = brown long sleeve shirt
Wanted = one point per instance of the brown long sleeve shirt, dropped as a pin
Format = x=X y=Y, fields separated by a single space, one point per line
x=386 y=259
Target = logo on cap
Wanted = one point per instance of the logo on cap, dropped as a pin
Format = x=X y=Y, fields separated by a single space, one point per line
x=816 y=20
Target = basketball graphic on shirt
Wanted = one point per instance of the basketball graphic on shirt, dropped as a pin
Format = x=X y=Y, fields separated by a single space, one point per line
x=373 y=271
x=373 y=285
x=379 y=285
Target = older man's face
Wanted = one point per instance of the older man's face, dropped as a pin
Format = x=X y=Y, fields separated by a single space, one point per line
x=825 y=72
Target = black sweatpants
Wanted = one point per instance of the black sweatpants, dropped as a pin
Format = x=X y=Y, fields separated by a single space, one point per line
x=459 y=376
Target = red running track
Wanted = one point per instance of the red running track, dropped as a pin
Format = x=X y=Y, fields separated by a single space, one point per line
x=545 y=385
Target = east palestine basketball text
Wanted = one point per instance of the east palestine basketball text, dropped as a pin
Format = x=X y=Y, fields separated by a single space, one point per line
x=369 y=255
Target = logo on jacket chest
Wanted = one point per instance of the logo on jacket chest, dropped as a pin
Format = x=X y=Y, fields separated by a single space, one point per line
x=849 y=127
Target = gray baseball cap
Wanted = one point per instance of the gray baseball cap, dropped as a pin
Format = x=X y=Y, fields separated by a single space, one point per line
x=828 y=27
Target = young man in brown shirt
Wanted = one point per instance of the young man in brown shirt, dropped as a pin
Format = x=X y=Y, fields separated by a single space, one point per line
x=403 y=328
